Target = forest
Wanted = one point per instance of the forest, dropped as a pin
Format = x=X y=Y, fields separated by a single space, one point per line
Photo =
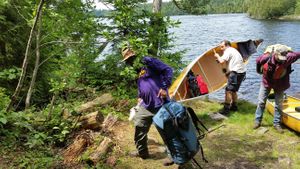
x=265 y=9
x=52 y=61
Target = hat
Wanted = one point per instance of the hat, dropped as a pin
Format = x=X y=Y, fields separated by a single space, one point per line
x=282 y=51
x=127 y=53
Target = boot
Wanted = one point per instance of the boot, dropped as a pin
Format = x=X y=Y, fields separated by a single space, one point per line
x=168 y=162
x=137 y=154
x=233 y=107
x=225 y=110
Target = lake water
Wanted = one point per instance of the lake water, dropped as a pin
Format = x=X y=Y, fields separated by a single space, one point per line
x=197 y=34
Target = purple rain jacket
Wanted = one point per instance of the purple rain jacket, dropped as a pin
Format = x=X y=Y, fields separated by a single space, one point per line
x=154 y=76
x=284 y=82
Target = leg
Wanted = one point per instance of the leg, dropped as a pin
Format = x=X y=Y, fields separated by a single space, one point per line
x=141 y=138
x=233 y=105
x=278 y=107
x=262 y=98
x=240 y=79
x=142 y=121
x=228 y=98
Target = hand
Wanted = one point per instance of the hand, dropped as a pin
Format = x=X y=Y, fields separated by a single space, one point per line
x=216 y=54
x=162 y=93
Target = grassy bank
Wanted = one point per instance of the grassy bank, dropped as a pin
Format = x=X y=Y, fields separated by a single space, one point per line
x=290 y=17
x=235 y=145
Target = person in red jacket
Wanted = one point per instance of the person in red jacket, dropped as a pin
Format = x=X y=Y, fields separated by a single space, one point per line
x=276 y=69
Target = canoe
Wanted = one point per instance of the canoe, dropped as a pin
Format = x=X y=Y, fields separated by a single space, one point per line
x=210 y=71
x=290 y=112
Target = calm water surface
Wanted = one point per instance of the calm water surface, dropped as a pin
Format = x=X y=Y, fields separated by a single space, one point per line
x=197 y=34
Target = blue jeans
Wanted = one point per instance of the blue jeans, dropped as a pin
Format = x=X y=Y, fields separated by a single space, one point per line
x=262 y=98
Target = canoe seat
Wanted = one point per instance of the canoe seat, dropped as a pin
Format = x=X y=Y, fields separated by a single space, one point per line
x=297 y=109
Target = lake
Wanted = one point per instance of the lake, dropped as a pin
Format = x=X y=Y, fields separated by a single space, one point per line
x=198 y=34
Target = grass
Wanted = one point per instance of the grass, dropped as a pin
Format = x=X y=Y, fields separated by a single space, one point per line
x=233 y=146
x=237 y=145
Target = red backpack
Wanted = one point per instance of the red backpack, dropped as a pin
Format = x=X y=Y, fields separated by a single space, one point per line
x=202 y=85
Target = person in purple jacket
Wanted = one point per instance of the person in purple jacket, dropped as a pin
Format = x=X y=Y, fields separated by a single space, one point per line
x=154 y=79
x=276 y=68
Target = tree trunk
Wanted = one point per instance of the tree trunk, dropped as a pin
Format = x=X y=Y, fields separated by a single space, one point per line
x=37 y=62
x=51 y=106
x=156 y=6
x=25 y=61
x=155 y=23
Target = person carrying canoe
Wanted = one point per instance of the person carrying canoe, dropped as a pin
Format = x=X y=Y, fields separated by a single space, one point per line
x=236 y=75
x=275 y=67
x=154 y=79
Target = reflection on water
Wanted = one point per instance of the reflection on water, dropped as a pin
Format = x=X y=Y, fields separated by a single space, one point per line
x=200 y=33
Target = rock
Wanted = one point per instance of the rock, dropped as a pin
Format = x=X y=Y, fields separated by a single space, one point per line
x=284 y=162
x=217 y=116
x=262 y=130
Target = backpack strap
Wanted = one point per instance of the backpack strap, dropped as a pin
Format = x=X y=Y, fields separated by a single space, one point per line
x=175 y=122
x=196 y=120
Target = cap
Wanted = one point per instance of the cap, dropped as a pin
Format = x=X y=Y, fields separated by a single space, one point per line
x=127 y=53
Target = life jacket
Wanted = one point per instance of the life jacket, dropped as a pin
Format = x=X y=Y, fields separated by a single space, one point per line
x=177 y=128
x=202 y=85
x=275 y=72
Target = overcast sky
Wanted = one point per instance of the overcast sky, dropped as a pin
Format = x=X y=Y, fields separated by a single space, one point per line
x=99 y=5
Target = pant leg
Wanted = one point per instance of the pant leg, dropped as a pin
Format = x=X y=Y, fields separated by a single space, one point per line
x=141 y=137
x=262 y=98
x=278 y=107
x=143 y=121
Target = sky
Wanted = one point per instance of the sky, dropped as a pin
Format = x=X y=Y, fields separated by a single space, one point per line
x=100 y=5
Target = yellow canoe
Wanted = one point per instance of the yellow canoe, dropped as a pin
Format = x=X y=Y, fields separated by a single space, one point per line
x=290 y=117
x=209 y=69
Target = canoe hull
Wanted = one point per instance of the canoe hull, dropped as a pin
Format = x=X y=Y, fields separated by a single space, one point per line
x=290 y=117
x=209 y=69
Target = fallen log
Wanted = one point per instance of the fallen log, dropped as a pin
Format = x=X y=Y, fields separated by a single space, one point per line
x=90 y=106
x=81 y=142
x=91 y=121
x=101 y=150
x=108 y=123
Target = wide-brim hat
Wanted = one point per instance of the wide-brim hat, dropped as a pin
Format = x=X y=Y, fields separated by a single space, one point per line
x=280 y=50
x=127 y=53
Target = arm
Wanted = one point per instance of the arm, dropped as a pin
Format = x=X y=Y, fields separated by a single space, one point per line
x=165 y=71
x=222 y=59
x=292 y=57
x=262 y=59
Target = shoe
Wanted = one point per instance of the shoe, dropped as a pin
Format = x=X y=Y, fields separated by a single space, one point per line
x=179 y=167
x=233 y=108
x=168 y=162
x=278 y=128
x=256 y=125
x=224 y=112
x=137 y=154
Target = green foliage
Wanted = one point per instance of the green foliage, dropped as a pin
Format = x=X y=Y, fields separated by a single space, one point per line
x=220 y=6
x=297 y=8
x=266 y=9
x=146 y=33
